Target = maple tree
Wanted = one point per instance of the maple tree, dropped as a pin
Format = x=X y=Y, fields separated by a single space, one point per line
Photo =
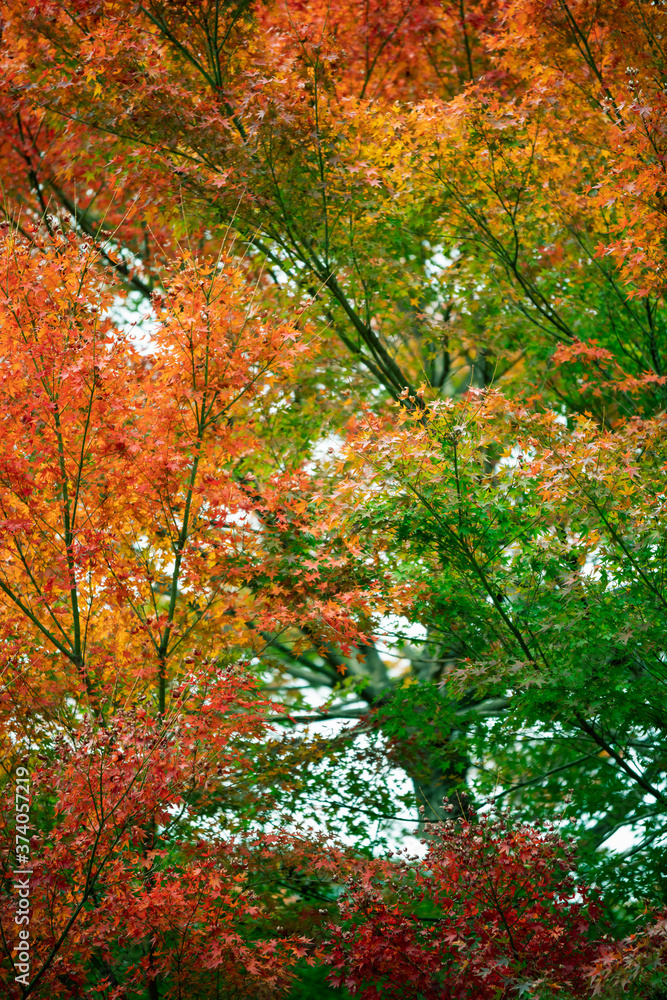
x=396 y=278
x=131 y=555
x=126 y=892
x=542 y=580
x=490 y=911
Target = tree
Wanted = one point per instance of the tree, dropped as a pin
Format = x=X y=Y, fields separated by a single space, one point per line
x=138 y=569
x=542 y=567
x=428 y=236
x=128 y=897
x=490 y=911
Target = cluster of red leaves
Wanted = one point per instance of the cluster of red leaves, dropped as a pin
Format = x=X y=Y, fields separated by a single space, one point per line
x=125 y=866
x=638 y=962
x=599 y=372
x=491 y=910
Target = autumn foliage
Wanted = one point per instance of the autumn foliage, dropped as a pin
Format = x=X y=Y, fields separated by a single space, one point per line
x=333 y=369
x=110 y=897
x=490 y=910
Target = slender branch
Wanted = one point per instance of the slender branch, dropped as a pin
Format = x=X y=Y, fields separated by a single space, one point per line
x=598 y=738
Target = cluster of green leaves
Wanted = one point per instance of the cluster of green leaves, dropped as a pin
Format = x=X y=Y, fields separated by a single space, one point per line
x=542 y=575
